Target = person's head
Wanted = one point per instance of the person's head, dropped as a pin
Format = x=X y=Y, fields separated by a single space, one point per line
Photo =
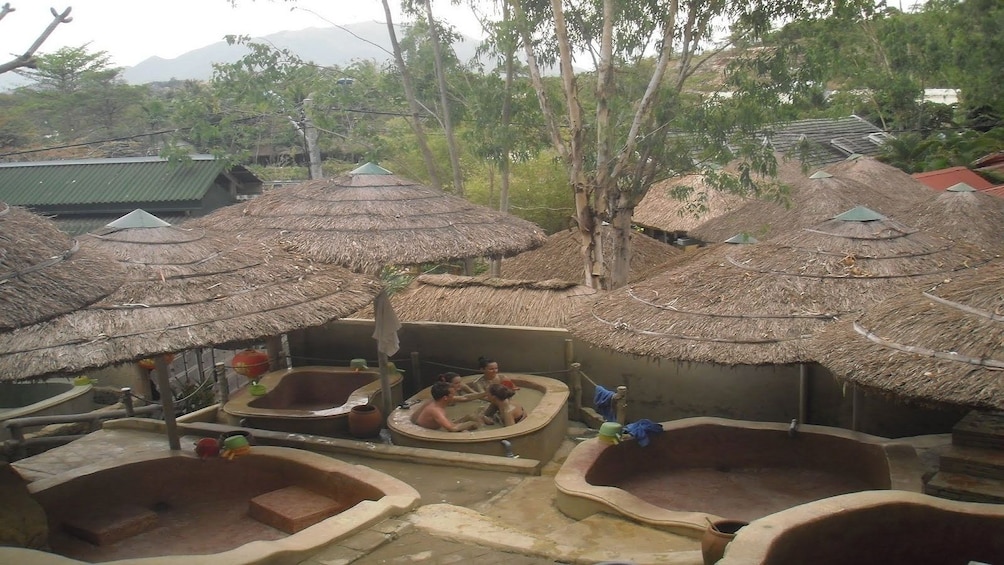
x=440 y=390
x=450 y=378
x=489 y=367
x=500 y=391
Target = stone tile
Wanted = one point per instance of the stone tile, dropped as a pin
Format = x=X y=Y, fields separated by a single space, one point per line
x=367 y=540
x=334 y=555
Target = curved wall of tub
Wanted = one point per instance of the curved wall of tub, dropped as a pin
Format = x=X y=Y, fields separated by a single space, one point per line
x=538 y=436
x=701 y=469
x=311 y=399
x=42 y=398
x=874 y=528
x=271 y=505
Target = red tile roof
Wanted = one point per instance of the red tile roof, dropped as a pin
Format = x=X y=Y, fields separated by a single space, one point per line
x=945 y=178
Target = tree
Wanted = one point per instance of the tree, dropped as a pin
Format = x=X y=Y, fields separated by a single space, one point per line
x=636 y=133
x=28 y=59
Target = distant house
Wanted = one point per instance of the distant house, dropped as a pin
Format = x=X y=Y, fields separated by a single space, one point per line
x=85 y=194
x=827 y=140
x=945 y=178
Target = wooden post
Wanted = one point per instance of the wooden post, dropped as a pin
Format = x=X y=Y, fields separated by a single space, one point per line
x=621 y=399
x=803 y=393
x=127 y=401
x=167 y=401
x=220 y=374
x=387 y=403
x=416 y=373
x=273 y=347
x=575 y=386
x=855 y=408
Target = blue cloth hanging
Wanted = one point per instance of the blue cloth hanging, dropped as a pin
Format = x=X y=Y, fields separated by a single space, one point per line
x=603 y=402
x=641 y=429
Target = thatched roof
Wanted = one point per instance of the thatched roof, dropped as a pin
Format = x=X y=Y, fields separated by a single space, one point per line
x=44 y=272
x=760 y=303
x=815 y=197
x=559 y=257
x=487 y=301
x=964 y=215
x=885 y=179
x=370 y=218
x=186 y=288
x=940 y=344
x=660 y=210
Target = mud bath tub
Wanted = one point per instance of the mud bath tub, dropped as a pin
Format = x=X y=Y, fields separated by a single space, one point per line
x=43 y=398
x=171 y=507
x=874 y=528
x=309 y=400
x=538 y=436
x=702 y=469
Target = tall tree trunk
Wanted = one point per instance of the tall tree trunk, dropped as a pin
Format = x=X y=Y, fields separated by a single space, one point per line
x=310 y=136
x=504 y=162
x=444 y=102
x=413 y=105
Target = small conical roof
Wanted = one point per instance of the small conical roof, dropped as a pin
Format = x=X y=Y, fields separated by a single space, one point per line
x=138 y=219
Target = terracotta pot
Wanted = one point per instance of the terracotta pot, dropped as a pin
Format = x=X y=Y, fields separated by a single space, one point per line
x=365 y=421
x=716 y=537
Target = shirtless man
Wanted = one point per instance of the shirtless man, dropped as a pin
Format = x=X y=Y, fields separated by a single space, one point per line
x=431 y=414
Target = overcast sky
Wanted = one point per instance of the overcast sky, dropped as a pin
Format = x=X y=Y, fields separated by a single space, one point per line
x=134 y=30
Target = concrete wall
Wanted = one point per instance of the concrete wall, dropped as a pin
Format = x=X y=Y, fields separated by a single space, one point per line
x=659 y=389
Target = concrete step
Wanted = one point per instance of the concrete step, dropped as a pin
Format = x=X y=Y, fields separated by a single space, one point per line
x=980 y=429
x=967 y=488
x=975 y=461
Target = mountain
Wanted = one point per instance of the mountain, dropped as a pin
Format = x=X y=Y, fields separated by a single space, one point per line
x=324 y=46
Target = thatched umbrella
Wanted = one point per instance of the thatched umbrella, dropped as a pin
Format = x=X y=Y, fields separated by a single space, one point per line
x=44 y=272
x=933 y=344
x=560 y=257
x=659 y=209
x=814 y=198
x=759 y=304
x=371 y=218
x=962 y=213
x=186 y=288
x=488 y=301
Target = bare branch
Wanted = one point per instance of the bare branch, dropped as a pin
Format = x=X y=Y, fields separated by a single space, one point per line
x=27 y=59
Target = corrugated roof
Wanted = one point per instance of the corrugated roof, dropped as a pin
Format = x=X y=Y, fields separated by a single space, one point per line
x=828 y=140
x=107 y=181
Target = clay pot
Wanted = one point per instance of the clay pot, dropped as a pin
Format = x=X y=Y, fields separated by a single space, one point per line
x=365 y=421
x=716 y=537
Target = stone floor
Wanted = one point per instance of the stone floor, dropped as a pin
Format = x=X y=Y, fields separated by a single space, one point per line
x=467 y=515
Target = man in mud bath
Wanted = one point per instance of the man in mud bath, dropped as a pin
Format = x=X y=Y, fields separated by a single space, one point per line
x=431 y=413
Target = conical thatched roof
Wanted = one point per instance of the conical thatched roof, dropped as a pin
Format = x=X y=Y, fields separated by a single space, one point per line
x=815 y=197
x=886 y=179
x=940 y=344
x=660 y=210
x=559 y=257
x=370 y=218
x=186 y=288
x=487 y=301
x=964 y=215
x=760 y=303
x=44 y=272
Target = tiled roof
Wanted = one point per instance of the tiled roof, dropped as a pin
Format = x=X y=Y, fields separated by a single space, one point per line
x=828 y=140
x=944 y=178
x=107 y=181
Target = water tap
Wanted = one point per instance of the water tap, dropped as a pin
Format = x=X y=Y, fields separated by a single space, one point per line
x=793 y=428
x=507 y=445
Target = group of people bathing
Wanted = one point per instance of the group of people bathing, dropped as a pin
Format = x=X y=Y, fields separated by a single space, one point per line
x=450 y=389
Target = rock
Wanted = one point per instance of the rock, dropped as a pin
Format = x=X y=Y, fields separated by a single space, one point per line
x=22 y=520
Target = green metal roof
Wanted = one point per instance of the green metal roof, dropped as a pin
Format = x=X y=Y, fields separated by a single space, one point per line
x=860 y=214
x=742 y=238
x=106 y=181
x=138 y=219
x=370 y=169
